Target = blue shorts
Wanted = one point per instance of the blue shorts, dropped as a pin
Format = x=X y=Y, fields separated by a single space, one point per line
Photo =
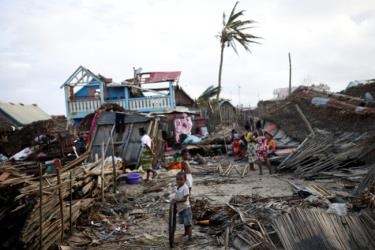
x=186 y=217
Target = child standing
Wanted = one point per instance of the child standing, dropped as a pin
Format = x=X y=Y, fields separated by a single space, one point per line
x=251 y=149
x=186 y=169
x=185 y=216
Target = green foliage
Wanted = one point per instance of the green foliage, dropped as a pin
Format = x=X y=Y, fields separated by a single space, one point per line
x=234 y=31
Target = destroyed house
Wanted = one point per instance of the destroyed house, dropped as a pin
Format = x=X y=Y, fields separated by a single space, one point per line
x=147 y=92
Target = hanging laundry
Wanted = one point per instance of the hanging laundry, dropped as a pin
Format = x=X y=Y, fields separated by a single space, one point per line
x=183 y=126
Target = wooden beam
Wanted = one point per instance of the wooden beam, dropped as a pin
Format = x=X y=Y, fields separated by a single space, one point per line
x=40 y=206
x=290 y=74
x=303 y=117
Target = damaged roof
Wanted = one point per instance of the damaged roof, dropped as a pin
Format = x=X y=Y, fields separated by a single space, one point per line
x=21 y=114
x=155 y=77
x=332 y=112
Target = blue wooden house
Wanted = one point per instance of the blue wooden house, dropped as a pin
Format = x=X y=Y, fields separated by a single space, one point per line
x=85 y=92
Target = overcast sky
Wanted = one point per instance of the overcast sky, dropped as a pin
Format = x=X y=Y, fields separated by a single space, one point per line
x=43 y=42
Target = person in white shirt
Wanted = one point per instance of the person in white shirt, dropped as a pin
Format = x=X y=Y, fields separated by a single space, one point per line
x=186 y=169
x=185 y=215
x=147 y=155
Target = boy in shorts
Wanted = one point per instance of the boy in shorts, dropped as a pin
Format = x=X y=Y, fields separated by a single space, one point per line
x=185 y=215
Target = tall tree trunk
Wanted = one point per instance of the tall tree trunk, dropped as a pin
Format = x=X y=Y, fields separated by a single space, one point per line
x=220 y=70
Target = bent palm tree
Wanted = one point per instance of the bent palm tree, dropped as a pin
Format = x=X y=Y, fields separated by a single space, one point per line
x=234 y=31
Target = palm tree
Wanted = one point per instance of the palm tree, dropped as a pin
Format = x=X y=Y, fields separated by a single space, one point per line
x=234 y=31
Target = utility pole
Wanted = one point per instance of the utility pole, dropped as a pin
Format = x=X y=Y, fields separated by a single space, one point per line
x=239 y=95
x=290 y=74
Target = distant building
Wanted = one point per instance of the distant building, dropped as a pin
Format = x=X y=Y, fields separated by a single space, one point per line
x=19 y=115
x=149 y=92
x=227 y=112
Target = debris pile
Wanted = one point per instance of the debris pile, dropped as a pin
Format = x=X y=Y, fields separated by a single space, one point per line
x=325 y=152
x=36 y=220
x=334 y=113
x=230 y=226
x=49 y=137
x=314 y=229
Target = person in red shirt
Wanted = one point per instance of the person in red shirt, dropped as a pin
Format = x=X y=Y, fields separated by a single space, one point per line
x=271 y=143
x=271 y=146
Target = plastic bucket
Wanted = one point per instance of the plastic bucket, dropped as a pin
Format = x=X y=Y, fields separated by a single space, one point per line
x=133 y=178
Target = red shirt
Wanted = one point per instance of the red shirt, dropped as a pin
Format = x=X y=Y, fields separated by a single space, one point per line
x=271 y=145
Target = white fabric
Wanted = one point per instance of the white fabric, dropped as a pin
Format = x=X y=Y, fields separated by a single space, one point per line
x=146 y=140
x=189 y=180
x=181 y=192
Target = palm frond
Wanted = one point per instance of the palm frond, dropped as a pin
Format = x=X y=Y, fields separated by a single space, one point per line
x=234 y=9
x=210 y=92
x=234 y=31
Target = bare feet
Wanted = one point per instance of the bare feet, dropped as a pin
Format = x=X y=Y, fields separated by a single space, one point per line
x=154 y=175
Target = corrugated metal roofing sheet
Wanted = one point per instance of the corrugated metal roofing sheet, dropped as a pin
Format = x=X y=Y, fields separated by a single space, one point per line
x=23 y=114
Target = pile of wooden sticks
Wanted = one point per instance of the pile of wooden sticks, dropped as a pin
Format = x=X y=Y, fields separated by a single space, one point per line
x=324 y=152
x=45 y=207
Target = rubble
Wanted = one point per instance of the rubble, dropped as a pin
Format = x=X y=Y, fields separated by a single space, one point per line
x=22 y=197
x=313 y=229
x=325 y=152
x=323 y=184
x=340 y=115
x=57 y=139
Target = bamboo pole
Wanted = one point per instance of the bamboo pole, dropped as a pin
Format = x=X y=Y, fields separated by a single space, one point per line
x=113 y=164
x=70 y=200
x=60 y=203
x=307 y=123
x=226 y=239
x=40 y=206
x=290 y=74
x=102 y=172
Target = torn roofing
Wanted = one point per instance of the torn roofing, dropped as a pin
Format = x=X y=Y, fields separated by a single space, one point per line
x=155 y=77
x=20 y=114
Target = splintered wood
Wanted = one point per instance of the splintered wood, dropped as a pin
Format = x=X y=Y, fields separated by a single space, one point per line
x=38 y=210
x=324 y=152
x=305 y=229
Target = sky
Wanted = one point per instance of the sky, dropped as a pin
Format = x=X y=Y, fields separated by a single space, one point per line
x=43 y=42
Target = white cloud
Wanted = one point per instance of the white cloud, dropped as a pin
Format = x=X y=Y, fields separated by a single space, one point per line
x=42 y=42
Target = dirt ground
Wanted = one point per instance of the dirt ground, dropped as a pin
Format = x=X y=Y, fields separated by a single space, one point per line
x=144 y=222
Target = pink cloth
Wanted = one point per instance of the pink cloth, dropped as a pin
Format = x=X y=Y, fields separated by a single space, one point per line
x=183 y=126
x=262 y=150
x=92 y=127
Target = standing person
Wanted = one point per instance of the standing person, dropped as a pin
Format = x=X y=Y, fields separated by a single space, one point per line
x=147 y=156
x=236 y=144
x=185 y=215
x=186 y=169
x=251 y=149
x=271 y=148
x=271 y=144
x=262 y=154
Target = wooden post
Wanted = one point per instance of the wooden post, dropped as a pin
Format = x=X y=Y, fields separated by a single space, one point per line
x=61 y=202
x=40 y=206
x=102 y=172
x=70 y=201
x=307 y=123
x=113 y=164
x=290 y=74
x=226 y=240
